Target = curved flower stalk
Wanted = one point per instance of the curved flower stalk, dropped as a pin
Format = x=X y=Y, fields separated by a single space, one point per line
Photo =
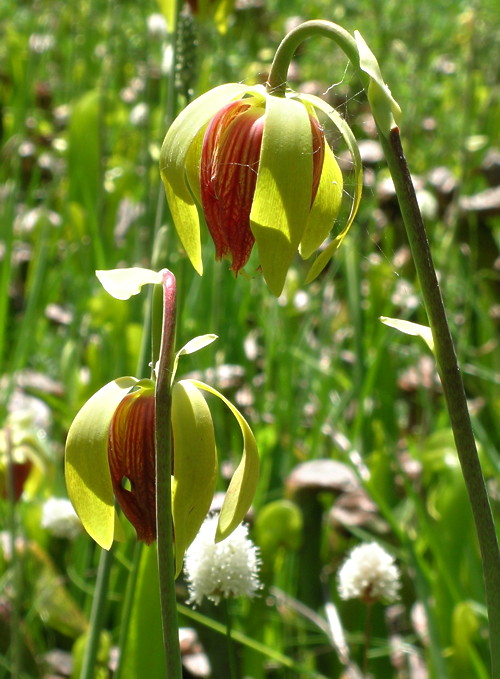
x=259 y=167
x=110 y=451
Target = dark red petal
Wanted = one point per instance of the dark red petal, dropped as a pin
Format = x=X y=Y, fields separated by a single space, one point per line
x=228 y=174
x=131 y=456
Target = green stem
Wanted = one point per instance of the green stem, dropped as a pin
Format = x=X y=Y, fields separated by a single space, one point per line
x=368 y=636
x=164 y=525
x=97 y=614
x=453 y=387
x=277 y=77
x=449 y=371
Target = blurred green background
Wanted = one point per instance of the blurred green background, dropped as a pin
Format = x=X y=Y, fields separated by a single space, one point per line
x=83 y=102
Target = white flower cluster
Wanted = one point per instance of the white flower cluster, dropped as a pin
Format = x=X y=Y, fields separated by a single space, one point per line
x=60 y=519
x=370 y=574
x=228 y=568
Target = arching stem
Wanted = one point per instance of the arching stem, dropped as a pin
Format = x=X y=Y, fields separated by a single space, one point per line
x=384 y=109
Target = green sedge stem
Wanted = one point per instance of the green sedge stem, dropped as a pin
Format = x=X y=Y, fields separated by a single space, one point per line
x=444 y=348
x=229 y=640
x=15 y=638
x=163 y=438
x=97 y=614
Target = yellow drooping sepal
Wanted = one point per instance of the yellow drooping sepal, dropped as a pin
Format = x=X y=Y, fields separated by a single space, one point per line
x=88 y=478
x=241 y=491
x=282 y=199
x=195 y=465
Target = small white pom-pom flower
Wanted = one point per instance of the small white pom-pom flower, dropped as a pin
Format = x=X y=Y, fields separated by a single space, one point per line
x=228 y=568
x=60 y=519
x=369 y=574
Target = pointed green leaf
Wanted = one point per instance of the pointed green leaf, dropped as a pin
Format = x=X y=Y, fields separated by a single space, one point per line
x=284 y=186
x=385 y=108
x=197 y=343
x=87 y=471
x=325 y=208
x=195 y=465
x=123 y=283
x=241 y=491
x=193 y=345
x=410 y=328
x=143 y=653
x=173 y=156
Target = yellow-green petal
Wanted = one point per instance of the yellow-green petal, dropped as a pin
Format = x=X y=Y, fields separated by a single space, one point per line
x=324 y=257
x=195 y=465
x=284 y=186
x=241 y=491
x=172 y=164
x=325 y=208
x=87 y=471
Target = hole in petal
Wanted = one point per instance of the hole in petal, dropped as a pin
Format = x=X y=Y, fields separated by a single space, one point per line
x=127 y=483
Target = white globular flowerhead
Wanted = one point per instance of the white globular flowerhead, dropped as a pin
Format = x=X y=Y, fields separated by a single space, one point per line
x=60 y=519
x=369 y=574
x=225 y=569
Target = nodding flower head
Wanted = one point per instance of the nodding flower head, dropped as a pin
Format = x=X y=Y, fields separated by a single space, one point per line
x=111 y=452
x=229 y=166
x=261 y=171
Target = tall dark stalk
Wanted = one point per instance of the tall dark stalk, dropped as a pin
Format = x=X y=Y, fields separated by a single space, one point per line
x=163 y=445
x=384 y=109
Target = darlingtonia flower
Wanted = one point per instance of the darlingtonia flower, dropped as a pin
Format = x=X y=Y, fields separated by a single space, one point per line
x=110 y=450
x=260 y=169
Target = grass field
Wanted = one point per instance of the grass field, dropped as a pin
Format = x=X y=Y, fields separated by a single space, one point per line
x=83 y=105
